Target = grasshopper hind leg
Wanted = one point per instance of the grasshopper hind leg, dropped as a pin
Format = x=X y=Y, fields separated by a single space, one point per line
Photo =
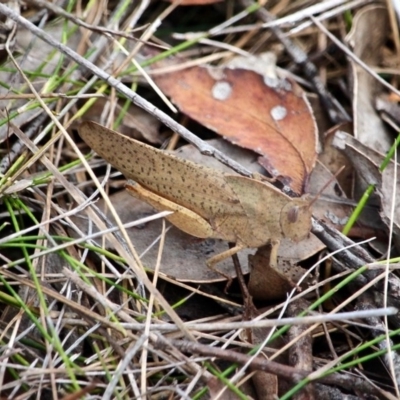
x=183 y=218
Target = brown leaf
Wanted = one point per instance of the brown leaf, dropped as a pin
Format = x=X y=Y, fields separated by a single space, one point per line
x=332 y=206
x=267 y=283
x=368 y=44
x=272 y=118
x=266 y=385
x=271 y=283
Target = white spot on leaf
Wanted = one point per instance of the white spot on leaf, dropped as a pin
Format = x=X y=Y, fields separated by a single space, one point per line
x=273 y=83
x=278 y=113
x=221 y=90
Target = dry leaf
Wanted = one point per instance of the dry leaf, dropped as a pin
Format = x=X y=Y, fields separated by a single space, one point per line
x=269 y=283
x=263 y=64
x=270 y=117
x=368 y=44
x=367 y=161
x=266 y=385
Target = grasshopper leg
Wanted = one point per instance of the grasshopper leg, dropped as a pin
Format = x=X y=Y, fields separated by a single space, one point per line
x=213 y=261
x=183 y=218
x=273 y=258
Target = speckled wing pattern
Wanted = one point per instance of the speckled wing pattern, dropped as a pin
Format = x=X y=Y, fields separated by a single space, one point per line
x=199 y=188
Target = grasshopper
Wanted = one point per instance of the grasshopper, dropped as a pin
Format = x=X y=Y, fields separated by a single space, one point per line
x=206 y=203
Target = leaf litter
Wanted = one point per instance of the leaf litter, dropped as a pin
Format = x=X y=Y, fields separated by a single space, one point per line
x=271 y=114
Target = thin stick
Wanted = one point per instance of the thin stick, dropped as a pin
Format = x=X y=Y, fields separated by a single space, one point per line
x=121 y=88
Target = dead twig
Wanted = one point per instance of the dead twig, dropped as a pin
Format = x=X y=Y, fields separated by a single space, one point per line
x=345 y=381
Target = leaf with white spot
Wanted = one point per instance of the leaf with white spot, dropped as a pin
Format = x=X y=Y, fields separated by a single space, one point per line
x=271 y=117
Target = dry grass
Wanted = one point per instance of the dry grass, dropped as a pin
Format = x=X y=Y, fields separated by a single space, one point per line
x=79 y=320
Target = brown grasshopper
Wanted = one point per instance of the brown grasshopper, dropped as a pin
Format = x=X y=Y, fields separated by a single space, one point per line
x=206 y=203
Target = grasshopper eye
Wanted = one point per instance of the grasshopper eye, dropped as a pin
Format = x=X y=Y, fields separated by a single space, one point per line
x=296 y=220
x=293 y=214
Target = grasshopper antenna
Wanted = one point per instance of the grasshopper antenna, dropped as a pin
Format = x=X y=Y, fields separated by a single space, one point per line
x=318 y=195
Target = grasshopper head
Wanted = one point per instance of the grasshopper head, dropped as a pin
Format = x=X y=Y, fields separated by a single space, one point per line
x=295 y=219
